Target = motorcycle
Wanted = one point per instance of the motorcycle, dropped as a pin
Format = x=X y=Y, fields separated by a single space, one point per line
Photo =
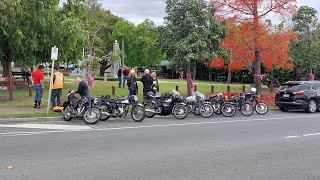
x=217 y=102
x=198 y=105
x=166 y=104
x=233 y=104
x=83 y=108
x=120 y=107
x=253 y=97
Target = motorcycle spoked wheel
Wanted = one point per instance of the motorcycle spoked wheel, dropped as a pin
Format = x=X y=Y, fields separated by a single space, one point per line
x=67 y=113
x=92 y=117
x=206 y=110
x=138 y=113
x=149 y=108
x=261 y=108
x=180 y=111
x=246 y=109
x=228 y=110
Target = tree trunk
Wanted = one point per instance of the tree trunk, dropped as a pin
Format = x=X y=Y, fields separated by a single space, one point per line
x=257 y=71
x=189 y=80
x=229 y=76
x=6 y=63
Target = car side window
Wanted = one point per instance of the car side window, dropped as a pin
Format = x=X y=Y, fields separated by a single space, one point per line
x=307 y=86
x=316 y=86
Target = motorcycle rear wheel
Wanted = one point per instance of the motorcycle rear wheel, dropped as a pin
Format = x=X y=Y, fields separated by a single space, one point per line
x=149 y=108
x=246 y=109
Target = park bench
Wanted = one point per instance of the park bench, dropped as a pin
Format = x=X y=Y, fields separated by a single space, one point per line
x=221 y=78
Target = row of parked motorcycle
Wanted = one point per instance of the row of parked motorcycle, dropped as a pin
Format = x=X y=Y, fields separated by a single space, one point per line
x=94 y=109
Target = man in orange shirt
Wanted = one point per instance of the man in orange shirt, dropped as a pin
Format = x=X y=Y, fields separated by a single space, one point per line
x=38 y=84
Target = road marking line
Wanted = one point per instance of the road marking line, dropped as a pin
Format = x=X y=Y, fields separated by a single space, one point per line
x=304 y=135
x=150 y=126
x=46 y=126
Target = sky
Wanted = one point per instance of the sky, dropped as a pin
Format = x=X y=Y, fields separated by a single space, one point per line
x=138 y=10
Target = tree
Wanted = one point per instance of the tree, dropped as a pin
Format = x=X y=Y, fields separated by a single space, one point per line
x=306 y=51
x=140 y=43
x=190 y=33
x=252 y=12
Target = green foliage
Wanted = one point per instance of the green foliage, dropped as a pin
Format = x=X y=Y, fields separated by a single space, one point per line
x=140 y=43
x=306 y=51
x=190 y=32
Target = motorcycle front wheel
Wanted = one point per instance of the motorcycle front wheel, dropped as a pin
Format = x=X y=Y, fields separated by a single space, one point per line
x=92 y=117
x=247 y=109
x=180 y=111
x=228 y=110
x=138 y=113
x=67 y=113
x=206 y=110
x=261 y=108
x=149 y=108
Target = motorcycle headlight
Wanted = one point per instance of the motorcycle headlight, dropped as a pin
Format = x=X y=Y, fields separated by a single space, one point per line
x=135 y=98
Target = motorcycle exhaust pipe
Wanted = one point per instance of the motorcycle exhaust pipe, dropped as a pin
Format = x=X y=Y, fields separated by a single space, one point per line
x=148 y=110
x=106 y=113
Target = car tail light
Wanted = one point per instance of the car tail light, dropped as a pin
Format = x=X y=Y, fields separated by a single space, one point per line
x=299 y=93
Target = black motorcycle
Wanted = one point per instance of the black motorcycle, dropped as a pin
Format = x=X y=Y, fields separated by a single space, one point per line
x=253 y=97
x=234 y=103
x=120 y=107
x=217 y=101
x=165 y=104
x=83 y=108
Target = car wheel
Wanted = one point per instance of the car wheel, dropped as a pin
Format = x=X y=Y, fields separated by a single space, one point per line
x=284 y=109
x=312 y=106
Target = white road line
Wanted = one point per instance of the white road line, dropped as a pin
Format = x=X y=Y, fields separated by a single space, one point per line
x=304 y=135
x=46 y=126
x=150 y=126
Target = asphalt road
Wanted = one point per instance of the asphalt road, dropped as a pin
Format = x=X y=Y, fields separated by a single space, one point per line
x=275 y=146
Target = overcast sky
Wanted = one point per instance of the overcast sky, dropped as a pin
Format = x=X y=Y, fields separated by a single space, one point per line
x=138 y=10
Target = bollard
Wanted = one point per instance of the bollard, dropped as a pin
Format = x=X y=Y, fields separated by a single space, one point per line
x=195 y=88
x=212 y=89
x=177 y=88
x=243 y=88
x=228 y=88
x=30 y=91
x=113 y=90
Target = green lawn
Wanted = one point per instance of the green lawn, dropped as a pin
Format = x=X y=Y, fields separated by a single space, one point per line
x=22 y=106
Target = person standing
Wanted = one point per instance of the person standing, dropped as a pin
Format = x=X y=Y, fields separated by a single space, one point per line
x=132 y=83
x=181 y=73
x=38 y=84
x=82 y=88
x=147 y=82
x=125 y=75
x=155 y=84
x=57 y=87
x=120 y=76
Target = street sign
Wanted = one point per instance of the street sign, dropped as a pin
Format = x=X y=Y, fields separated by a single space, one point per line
x=54 y=53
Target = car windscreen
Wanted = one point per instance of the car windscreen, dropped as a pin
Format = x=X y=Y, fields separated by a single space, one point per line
x=290 y=87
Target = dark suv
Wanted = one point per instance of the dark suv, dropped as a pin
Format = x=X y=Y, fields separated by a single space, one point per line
x=299 y=95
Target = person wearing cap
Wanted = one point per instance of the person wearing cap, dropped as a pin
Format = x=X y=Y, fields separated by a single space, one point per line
x=57 y=87
x=38 y=84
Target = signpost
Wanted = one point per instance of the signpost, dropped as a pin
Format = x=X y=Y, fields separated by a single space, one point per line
x=54 y=57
